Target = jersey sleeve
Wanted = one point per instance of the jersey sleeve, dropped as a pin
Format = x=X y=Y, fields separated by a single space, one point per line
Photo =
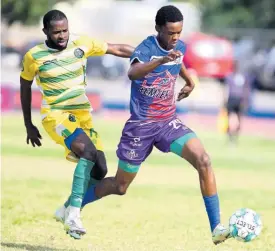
x=29 y=67
x=92 y=47
x=141 y=53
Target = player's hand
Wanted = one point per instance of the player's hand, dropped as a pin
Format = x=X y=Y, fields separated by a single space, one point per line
x=172 y=56
x=184 y=92
x=33 y=136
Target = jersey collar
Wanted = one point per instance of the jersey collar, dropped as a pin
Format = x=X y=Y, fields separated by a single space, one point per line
x=51 y=49
x=157 y=42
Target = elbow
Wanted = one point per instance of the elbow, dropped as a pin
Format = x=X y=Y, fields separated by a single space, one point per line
x=131 y=75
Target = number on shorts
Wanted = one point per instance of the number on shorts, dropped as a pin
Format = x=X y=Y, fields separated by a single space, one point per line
x=176 y=123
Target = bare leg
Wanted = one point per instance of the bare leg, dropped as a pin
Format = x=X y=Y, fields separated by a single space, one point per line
x=193 y=151
x=115 y=185
x=230 y=132
x=238 y=126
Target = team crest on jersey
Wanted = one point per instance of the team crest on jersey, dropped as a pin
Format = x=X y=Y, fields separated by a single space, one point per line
x=72 y=118
x=164 y=81
x=78 y=53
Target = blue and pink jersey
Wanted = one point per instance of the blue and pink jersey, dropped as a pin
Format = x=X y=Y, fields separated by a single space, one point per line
x=153 y=97
x=153 y=121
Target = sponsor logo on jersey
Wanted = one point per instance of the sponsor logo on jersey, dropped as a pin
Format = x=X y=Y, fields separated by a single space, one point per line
x=72 y=118
x=155 y=92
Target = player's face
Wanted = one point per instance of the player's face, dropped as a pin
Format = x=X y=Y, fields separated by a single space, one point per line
x=58 y=34
x=170 y=34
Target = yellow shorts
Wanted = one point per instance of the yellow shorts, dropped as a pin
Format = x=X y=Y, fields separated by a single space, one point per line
x=61 y=124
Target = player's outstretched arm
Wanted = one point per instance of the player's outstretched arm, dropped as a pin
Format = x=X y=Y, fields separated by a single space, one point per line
x=33 y=134
x=139 y=70
x=120 y=50
x=188 y=88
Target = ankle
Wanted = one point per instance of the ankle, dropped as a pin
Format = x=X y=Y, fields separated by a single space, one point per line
x=74 y=210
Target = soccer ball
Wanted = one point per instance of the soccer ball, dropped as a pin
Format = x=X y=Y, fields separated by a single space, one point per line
x=245 y=225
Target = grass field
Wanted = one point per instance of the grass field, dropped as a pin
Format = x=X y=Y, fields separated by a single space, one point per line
x=162 y=211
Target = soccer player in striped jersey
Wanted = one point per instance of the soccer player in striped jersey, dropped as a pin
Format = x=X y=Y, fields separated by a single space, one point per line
x=59 y=67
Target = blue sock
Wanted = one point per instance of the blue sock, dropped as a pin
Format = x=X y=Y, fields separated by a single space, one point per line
x=213 y=210
x=89 y=196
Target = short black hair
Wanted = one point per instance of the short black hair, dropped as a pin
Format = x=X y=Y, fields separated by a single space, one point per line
x=167 y=14
x=52 y=15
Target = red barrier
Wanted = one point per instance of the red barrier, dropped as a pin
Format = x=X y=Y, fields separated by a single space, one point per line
x=10 y=99
x=36 y=100
x=95 y=100
x=7 y=96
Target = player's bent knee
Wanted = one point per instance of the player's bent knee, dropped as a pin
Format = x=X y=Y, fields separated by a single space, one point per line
x=102 y=172
x=203 y=162
x=99 y=171
x=101 y=166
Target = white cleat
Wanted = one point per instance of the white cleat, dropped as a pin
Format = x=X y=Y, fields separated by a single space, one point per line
x=73 y=224
x=60 y=214
x=220 y=234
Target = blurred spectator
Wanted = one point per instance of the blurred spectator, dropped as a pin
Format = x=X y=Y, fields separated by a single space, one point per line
x=238 y=90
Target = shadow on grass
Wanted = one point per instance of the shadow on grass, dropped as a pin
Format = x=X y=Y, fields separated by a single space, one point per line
x=29 y=247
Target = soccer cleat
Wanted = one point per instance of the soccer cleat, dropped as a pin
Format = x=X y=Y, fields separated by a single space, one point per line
x=220 y=234
x=60 y=214
x=73 y=224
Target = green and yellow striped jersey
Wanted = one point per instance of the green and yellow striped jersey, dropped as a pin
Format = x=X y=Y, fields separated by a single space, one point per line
x=61 y=75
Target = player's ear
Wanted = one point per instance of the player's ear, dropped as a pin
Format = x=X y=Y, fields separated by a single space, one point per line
x=45 y=31
x=157 y=28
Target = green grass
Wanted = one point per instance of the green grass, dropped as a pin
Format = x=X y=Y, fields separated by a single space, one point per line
x=162 y=211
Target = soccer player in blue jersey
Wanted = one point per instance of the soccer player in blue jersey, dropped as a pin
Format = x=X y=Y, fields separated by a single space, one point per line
x=155 y=66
